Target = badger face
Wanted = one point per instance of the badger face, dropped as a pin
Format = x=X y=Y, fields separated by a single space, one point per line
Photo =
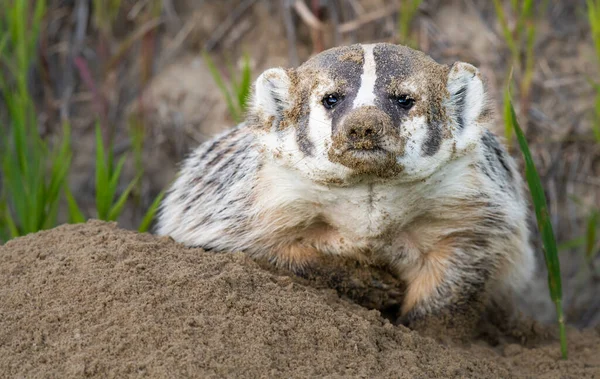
x=376 y=112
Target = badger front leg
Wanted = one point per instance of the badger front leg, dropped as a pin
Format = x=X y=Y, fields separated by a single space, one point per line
x=446 y=286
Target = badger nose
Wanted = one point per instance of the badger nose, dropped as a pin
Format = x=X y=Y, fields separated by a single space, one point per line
x=364 y=127
x=364 y=131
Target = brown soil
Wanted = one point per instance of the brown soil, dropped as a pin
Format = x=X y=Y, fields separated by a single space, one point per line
x=95 y=300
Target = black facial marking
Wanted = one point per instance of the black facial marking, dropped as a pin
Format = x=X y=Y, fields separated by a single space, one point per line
x=398 y=64
x=304 y=143
x=434 y=139
x=345 y=67
x=459 y=99
x=279 y=114
x=392 y=65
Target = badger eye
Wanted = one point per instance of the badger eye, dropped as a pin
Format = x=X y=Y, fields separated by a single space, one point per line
x=331 y=100
x=404 y=101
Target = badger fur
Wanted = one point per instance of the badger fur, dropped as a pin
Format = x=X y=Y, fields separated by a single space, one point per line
x=372 y=152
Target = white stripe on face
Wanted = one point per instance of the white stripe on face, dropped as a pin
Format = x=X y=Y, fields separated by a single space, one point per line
x=366 y=92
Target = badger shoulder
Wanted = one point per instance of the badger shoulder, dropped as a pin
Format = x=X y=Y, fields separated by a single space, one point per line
x=213 y=190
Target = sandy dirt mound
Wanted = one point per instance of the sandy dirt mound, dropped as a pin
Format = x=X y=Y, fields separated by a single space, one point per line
x=95 y=300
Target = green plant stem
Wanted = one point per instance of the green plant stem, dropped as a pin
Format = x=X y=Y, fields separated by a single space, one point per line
x=237 y=95
x=218 y=78
x=544 y=226
x=561 y=328
x=593 y=9
x=408 y=9
x=149 y=216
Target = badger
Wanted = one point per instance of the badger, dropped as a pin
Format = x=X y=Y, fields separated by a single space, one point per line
x=369 y=152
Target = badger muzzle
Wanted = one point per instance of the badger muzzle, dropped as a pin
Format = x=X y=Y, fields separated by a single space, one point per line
x=366 y=143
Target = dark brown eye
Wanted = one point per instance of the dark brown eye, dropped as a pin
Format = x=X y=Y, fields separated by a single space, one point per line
x=331 y=100
x=404 y=101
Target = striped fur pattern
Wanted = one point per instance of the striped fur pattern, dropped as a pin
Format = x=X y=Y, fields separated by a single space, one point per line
x=400 y=171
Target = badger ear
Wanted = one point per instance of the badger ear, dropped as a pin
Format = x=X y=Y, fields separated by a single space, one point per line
x=272 y=92
x=467 y=100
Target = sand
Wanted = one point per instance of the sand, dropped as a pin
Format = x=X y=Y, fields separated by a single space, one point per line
x=94 y=300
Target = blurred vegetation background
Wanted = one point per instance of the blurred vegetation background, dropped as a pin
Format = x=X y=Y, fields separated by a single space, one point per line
x=99 y=100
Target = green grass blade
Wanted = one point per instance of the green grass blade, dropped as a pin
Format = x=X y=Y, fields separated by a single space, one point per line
x=408 y=9
x=593 y=7
x=10 y=223
x=19 y=131
x=596 y=130
x=102 y=194
x=577 y=200
x=508 y=37
x=137 y=135
x=545 y=228
x=61 y=163
x=118 y=206
x=31 y=175
x=244 y=86
x=50 y=215
x=4 y=232
x=150 y=213
x=13 y=185
x=524 y=18
x=233 y=79
x=38 y=14
x=590 y=240
x=3 y=226
x=3 y=43
x=529 y=60
x=527 y=9
x=75 y=214
x=18 y=37
x=508 y=127
x=571 y=244
x=110 y=161
x=115 y=177
x=218 y=78
x=36 y=188
x=596 y=116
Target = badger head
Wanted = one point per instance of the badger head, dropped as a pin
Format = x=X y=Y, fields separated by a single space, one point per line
x=376 y=112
